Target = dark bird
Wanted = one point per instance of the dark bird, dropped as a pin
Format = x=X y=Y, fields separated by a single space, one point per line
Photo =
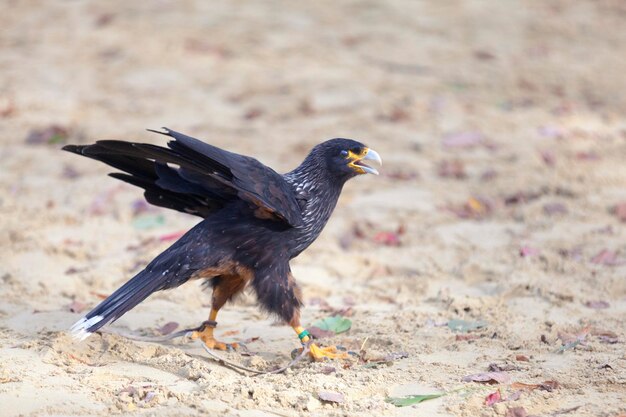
x=255 y=221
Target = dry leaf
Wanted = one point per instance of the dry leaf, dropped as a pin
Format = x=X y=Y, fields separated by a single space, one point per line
x=318 y=333
x=549 y=385
x=168 y=328
x=484 y=55
x=327 y=370
x=104 y=19
x=606 y=257
x=608 y=339
x=493 y=398
x=130 y=390
x=587 y=156
x=523 y=386
x=605 y=336
x=554 y=208
x=99 y=295
x=600 y=332
x=597 y=304
x=514 y=396
x=463 y=140
x=544 y=386
x=488 y=378
x=331 y=397
x=387 y=238
x=521 y=197
x=349 y=300
x=253 y=113
x=528 y=251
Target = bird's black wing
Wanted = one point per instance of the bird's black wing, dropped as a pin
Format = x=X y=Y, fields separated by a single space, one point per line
x=194 y=177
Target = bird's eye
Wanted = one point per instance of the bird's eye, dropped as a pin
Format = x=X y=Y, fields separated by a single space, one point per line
x=344 y=153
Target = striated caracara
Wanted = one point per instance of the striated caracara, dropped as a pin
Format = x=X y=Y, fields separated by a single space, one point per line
x=255 y=221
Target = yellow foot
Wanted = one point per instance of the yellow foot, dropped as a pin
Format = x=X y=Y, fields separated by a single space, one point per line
x=330 y=352
x=211 y=343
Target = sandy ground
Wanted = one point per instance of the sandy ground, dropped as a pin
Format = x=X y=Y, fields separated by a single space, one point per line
x=503 y=134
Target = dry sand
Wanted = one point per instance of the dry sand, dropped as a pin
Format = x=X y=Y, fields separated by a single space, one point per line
x=529 y=99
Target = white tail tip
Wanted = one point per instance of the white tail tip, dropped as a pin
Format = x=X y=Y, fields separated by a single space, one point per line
x=80 y=328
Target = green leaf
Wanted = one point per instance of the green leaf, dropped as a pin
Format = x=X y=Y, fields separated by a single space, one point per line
x=465 y=326
x=412 y=399
x=337 y=324
x=148 y=222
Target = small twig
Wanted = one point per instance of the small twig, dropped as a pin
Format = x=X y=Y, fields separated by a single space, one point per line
x=157 y=339
x=363 y=344
x=305 y=349
x=566 y=410
x=362 y=350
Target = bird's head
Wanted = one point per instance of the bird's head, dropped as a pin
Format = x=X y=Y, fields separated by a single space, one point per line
x=346 y=158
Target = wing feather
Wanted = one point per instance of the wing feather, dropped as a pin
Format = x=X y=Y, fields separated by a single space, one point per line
x=205 y=178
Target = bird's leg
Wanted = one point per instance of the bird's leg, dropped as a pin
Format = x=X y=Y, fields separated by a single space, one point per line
x=205 y=333
x=224 y=288
x=318 y=353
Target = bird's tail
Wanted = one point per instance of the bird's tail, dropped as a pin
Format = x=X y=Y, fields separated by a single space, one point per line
x=125 y=298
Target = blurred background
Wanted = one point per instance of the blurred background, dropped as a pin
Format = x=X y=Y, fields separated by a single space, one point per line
x=502 y=199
